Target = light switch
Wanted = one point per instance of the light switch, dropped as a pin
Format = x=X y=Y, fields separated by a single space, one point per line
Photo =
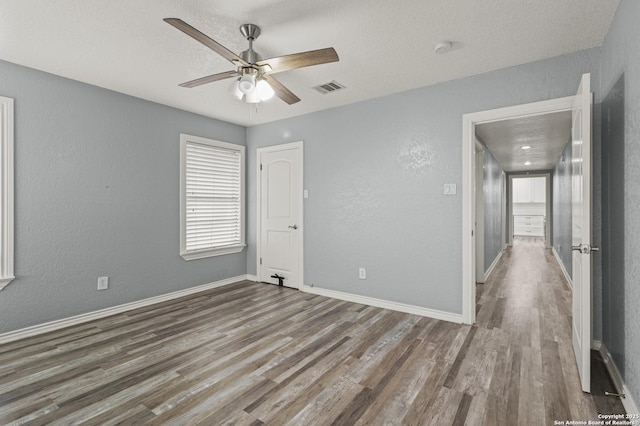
x=305 y=193
x=449 y=189
x=103 y=283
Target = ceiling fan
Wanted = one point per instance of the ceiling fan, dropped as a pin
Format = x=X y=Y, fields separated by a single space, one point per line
x=254 y=80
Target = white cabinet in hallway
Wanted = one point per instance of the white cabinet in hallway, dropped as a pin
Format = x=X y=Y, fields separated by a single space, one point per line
x=529 y=226
x=529 y=190
x=539 y=190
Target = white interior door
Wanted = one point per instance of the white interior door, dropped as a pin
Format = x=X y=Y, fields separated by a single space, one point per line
x=581 y=229
x=280 y=201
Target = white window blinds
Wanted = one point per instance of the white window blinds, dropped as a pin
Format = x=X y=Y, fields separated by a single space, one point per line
x=213 y=195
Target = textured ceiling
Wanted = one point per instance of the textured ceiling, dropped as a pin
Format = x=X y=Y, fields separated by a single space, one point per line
x=545 y=135
x=384 y=46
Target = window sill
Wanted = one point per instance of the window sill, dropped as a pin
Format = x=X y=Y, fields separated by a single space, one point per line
x=210 y=253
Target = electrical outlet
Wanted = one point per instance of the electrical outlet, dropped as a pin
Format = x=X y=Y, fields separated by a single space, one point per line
x=103 y=283
x=362 y=274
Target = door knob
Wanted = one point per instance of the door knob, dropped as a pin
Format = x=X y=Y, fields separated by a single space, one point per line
x=585 y=248
x=293 y=226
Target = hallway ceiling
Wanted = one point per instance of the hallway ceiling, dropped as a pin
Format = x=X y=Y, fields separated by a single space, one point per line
x=546 y=136
x=384 y=47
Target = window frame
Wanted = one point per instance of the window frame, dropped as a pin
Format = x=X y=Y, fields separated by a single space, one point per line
x=6 y=191
x=208 y=252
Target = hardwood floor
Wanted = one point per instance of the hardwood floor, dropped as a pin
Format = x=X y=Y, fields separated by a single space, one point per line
x=252 y=354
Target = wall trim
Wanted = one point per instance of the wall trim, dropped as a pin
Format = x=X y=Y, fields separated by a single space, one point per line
x=47 y=327
x=479 y=212
x=493 y=265
x=562 y=268
x=628 y=402
x=385 y=304
x=253 y=278
x=6 y=191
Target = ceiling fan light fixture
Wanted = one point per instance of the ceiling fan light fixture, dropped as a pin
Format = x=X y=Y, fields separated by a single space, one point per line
x=247 y=84
x=234 y=89
x=265 y=91
x=252 y=98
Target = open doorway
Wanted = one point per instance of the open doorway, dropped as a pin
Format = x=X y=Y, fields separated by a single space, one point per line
x=493 y=128
x=580 y=109
x=514 y=158
x=530 y=206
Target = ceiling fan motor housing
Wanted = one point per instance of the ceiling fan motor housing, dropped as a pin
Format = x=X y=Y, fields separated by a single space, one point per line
x=250 y=56
x=250 y=32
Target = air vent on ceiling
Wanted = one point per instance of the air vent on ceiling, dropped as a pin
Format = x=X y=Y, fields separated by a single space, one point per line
x=329 y=87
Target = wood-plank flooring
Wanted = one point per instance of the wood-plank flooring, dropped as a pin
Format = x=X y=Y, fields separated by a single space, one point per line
x=252 y=354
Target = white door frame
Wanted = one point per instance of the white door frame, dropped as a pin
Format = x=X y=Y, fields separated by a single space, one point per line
x=547 y=197
x=479 y=222
x=469 y=122
x=503 y=210
x=293 y=145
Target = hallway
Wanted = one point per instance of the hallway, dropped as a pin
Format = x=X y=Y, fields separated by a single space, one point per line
x=528 y=298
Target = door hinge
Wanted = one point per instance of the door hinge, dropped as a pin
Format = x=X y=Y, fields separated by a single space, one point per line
x=260 y=166
x=261 y=261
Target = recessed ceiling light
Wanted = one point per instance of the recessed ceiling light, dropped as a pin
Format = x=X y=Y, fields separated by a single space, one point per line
x=525 y=147
x=527 y=163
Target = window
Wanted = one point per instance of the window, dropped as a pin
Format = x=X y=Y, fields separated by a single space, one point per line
x=6 y=191
x=211 y=197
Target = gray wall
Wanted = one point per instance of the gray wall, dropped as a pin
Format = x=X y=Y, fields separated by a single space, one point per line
x=492 y=189
x=621 y=55
x=375 y=172
x=96 y=193
x=613 y=222
x=561 y=208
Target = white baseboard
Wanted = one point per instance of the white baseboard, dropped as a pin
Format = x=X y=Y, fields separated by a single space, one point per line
x=253 y=278
x=493 y=265
x=628 y=402
x=562 y=268
x=90 y=316
x=385 y=304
